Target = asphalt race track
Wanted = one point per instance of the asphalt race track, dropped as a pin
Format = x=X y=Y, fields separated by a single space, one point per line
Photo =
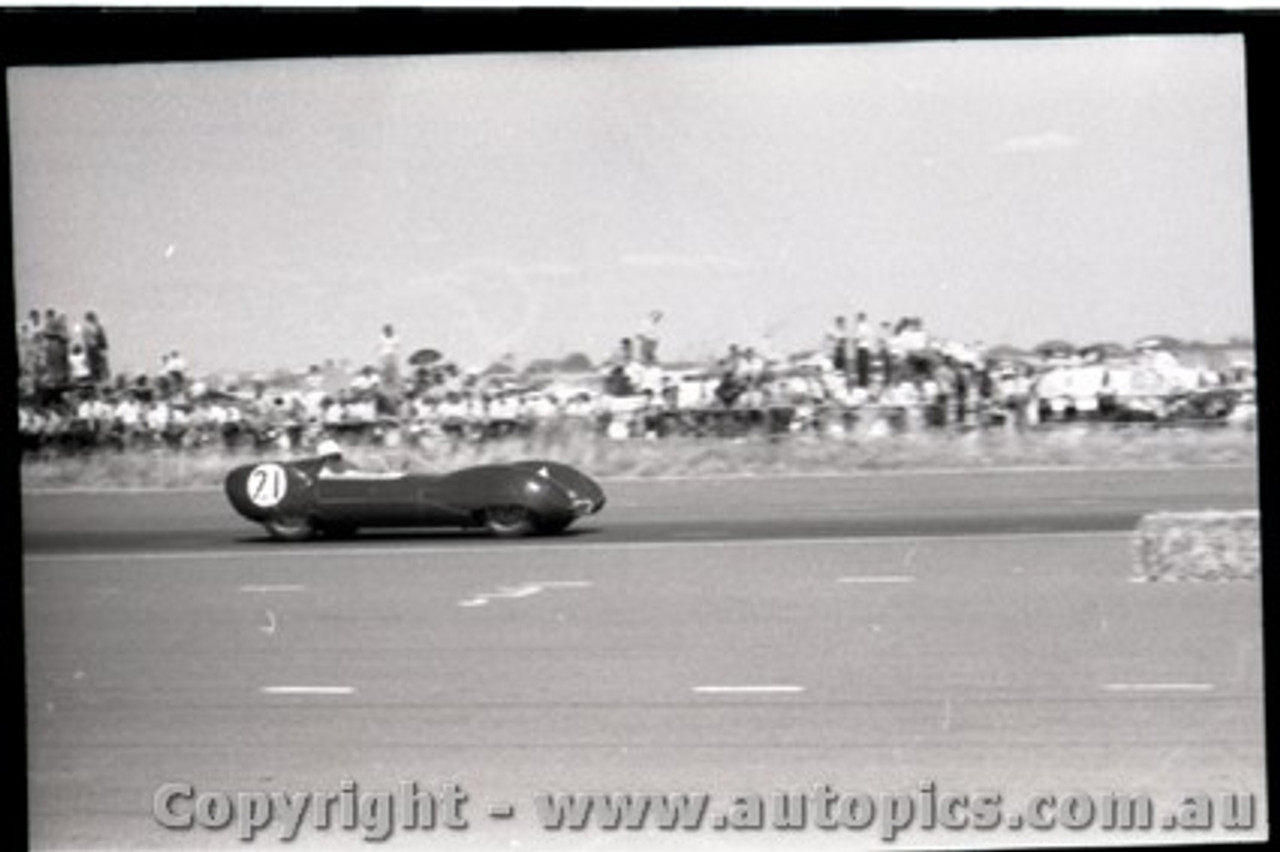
x=729 y=636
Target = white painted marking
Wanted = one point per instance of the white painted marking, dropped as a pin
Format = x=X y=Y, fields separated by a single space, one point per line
x=270 y=627
x=315 y=553
x=878 y=578
x=308 y=690
x=1158 y=687
x=524 y=590
x=748 y=689
x=266 y=485
x=267 y=589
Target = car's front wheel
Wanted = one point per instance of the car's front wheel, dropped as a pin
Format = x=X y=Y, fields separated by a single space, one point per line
x=508 y=521
x=293 y=528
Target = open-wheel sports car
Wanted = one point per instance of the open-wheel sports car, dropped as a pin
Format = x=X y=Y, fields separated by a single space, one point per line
x=301 y=499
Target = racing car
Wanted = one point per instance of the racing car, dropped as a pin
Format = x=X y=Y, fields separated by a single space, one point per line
x=304 y=498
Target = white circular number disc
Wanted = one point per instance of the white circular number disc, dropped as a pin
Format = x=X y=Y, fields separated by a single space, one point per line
x=267 y=485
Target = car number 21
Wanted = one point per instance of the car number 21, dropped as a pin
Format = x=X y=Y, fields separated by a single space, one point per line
x=267 y=485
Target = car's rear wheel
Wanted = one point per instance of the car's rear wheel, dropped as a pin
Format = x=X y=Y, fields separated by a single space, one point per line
x=546 y=527
x=508 y=521
x=290 y=528
x=339 y=530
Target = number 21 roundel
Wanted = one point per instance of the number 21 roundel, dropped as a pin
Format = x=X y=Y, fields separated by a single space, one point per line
x=267 y=485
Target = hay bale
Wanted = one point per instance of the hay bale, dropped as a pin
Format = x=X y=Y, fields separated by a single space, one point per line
x=1198 y=546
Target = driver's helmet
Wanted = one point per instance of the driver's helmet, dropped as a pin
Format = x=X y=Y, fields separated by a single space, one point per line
x=329 y=448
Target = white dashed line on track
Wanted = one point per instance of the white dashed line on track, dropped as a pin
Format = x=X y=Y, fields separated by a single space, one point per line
x=873 y=579
x=308 y=690
x=757 y=689
x=524 y=590
x=268 y=589
x=1158 y=687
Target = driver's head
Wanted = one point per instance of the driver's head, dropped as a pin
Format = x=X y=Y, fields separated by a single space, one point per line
x=329 y=449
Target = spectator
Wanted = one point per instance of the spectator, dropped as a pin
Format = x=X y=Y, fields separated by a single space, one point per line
x=55 y=368
x=962 y=380
x=95 y=342
x=670 y=394
x=945 y=380
x=502 y=415
x=729 y=389
x=636 y=374
x=579 y=407
x=156 y=417
x=915 y=344
x=732 y=362
x=315 y=378
x=863 y=342
x=29 y=343
x=389 y=359
x=626 y=352
x=901 y=348
x=752 y=367
x=838 y=343
x=616 y=382
x=650 y=377
x=648 y=338
x=78 y=364
x=366 y=381
x=901 y=399
x=173 y=369
x=331 y=461
x=29 y=327
x=884 y=345
x=454 y=415
x=332 y=412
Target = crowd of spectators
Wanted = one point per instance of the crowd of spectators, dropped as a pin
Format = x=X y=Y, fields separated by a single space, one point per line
x=864 y=380
x=54 y=356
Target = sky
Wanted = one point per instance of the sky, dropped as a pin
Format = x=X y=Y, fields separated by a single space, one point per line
x=265 y=214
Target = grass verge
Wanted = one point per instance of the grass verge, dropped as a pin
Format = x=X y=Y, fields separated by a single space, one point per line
x=1058 y=446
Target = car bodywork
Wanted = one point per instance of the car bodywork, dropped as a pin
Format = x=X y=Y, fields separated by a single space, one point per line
x=300 y=499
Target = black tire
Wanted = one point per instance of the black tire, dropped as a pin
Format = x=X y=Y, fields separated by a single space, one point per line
x=508 y=521
x=545 y=527
x=290 y=528
x=339 y=531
